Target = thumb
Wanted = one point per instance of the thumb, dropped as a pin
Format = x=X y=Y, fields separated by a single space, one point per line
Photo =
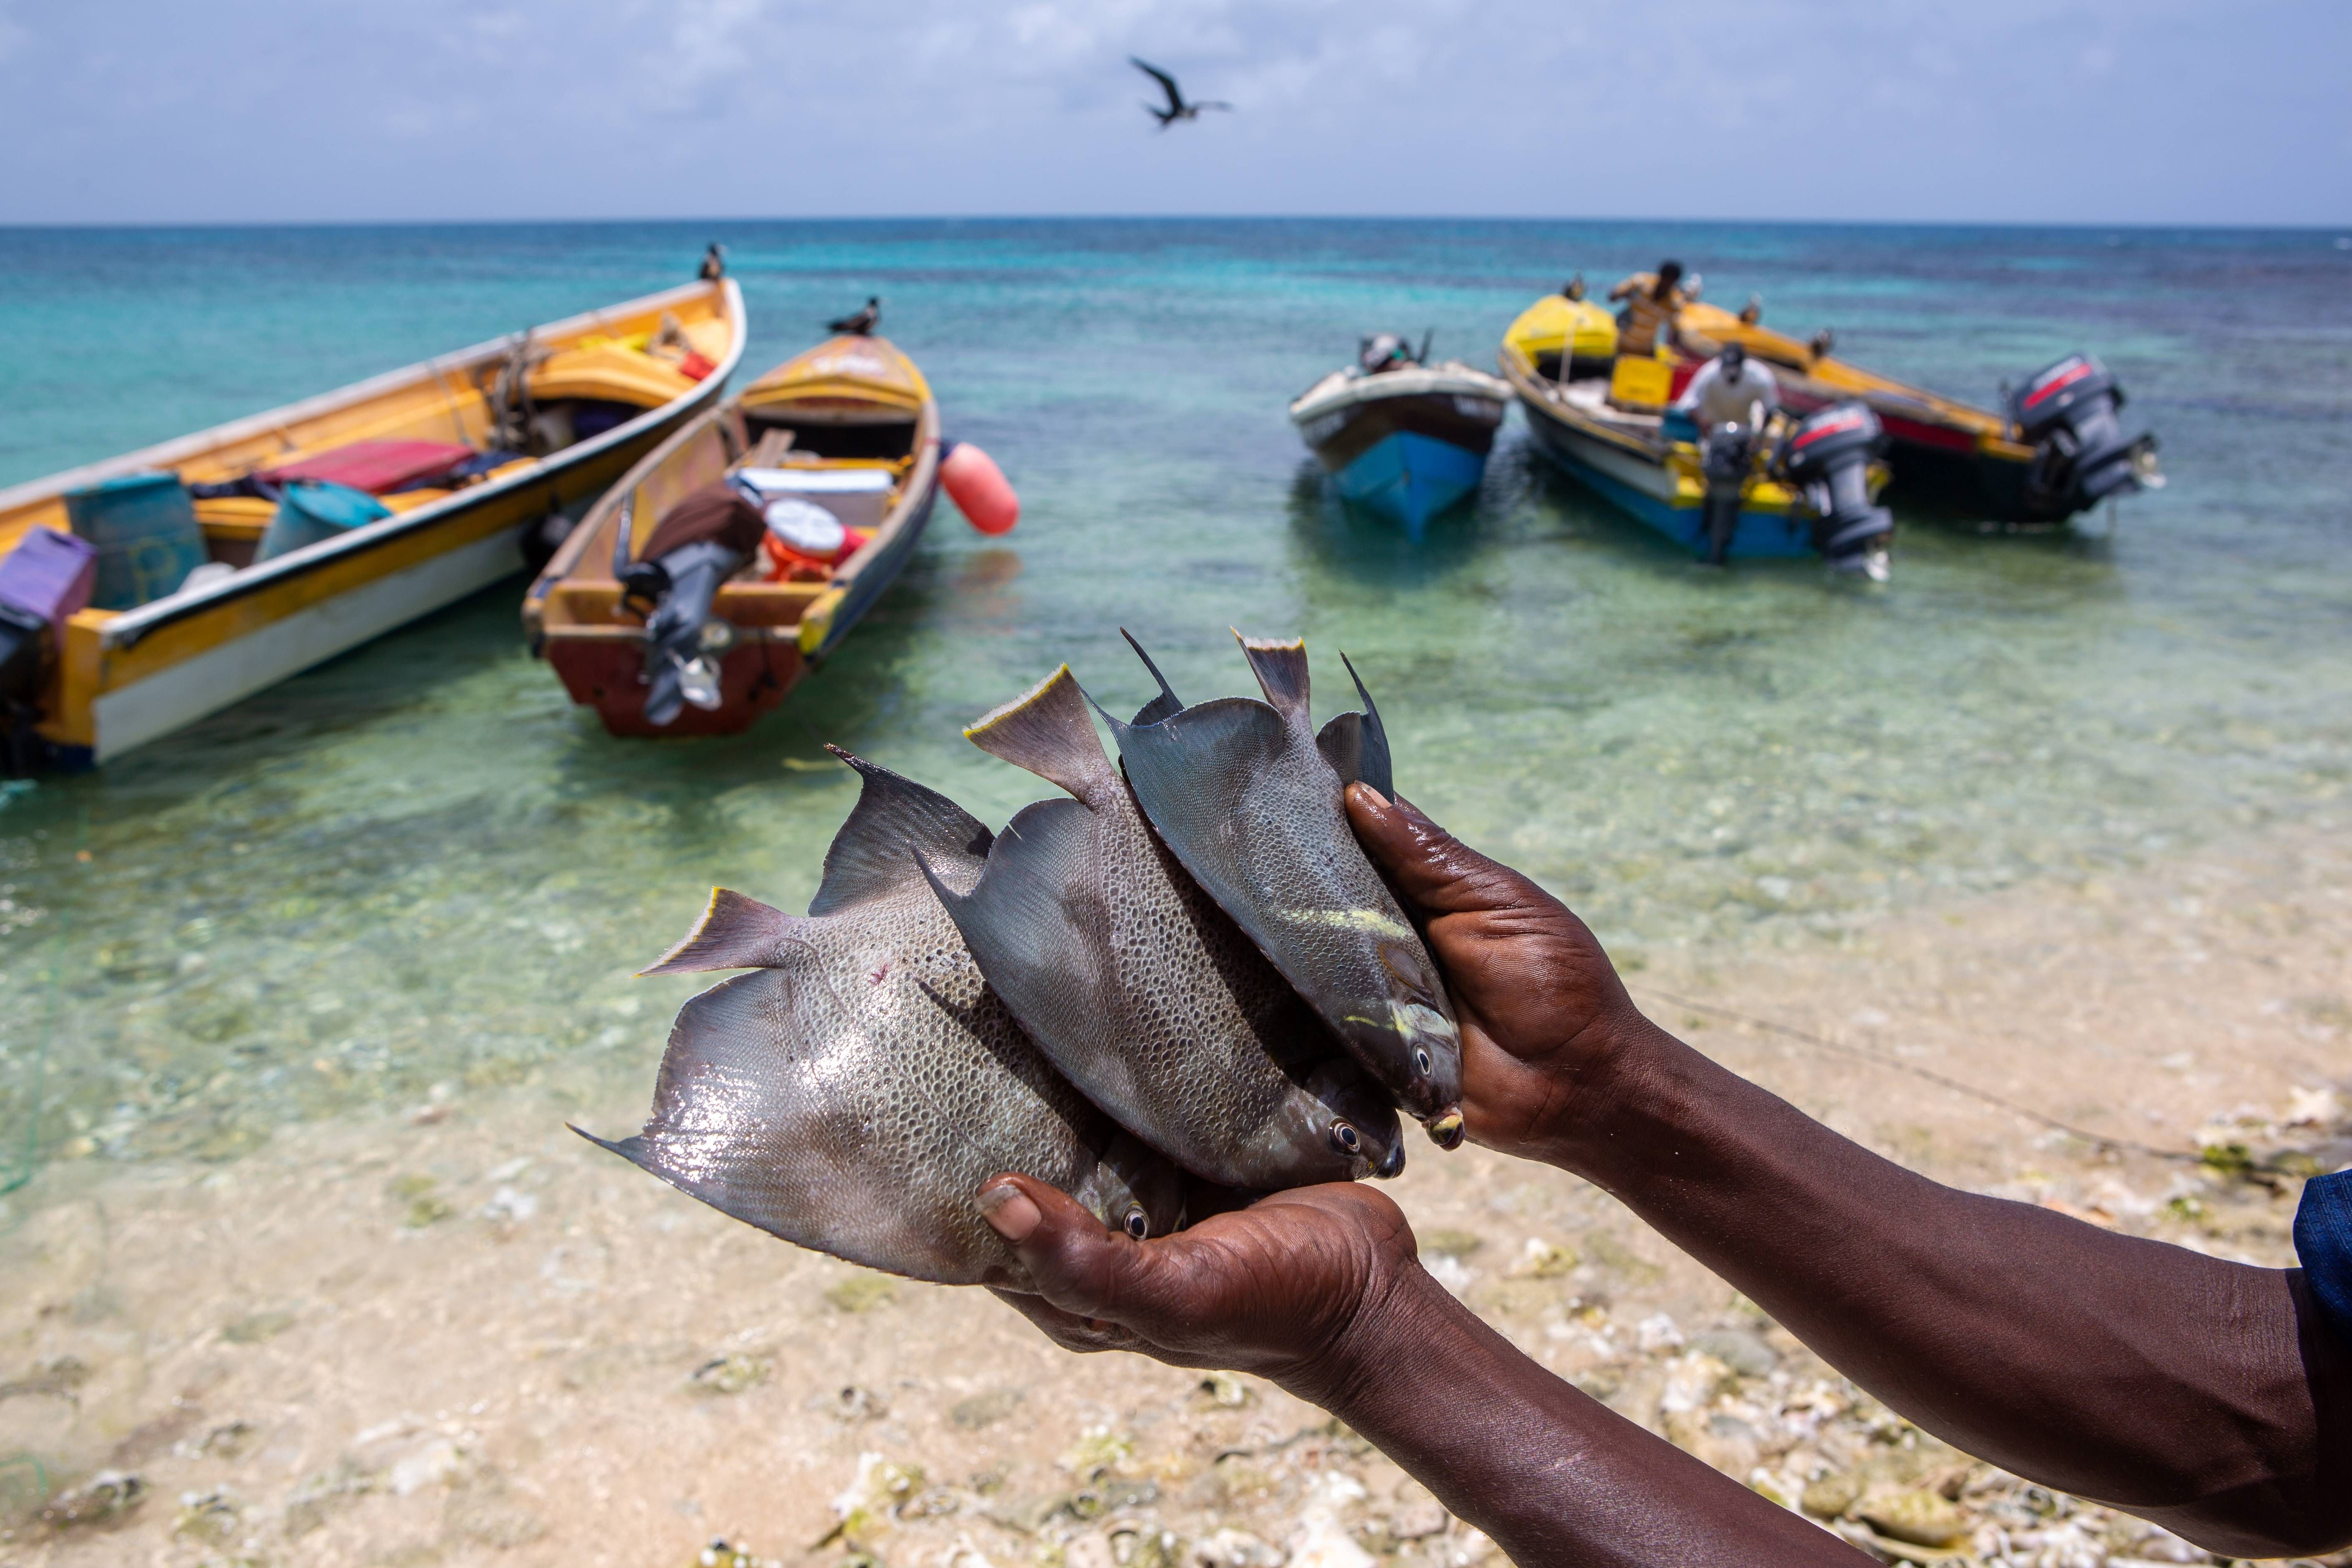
x=1077 y=1262
x=1429 y=865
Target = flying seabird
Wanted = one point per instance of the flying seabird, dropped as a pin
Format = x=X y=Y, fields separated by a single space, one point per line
x=861 y=324
x=1177 y=108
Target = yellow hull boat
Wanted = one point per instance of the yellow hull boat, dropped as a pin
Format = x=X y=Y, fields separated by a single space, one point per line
x=525 y=427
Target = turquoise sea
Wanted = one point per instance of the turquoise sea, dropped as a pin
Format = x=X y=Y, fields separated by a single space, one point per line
x=418 y=867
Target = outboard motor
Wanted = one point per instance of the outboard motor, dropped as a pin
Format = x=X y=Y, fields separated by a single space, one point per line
x=1724 y=459
x=1385 y=351
x=683 y=640
x=2067 y=411
x=1827 y=458
x=707 y=537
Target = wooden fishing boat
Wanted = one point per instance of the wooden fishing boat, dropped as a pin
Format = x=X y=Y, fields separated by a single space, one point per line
x=2009 y=466
x=1401 y=437
x=1612 y=430
x=449 y=465
x=850 y=424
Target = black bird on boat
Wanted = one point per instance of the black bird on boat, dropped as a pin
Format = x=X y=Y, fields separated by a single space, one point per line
x=1177 y=108
x=862 y=323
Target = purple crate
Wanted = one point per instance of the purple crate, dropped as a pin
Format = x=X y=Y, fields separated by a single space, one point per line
x=49 y=574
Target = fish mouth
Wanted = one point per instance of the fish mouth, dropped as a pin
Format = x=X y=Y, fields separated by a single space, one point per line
x=1392 y=1164
x=1445 y=1129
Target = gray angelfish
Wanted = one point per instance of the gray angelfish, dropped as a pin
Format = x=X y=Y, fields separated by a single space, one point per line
x=1141 y=990
x=854 y=1090
x=1251 y=800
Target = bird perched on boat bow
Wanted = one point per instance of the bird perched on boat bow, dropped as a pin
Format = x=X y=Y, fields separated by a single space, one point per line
x=1177 y=108
x=863 y=322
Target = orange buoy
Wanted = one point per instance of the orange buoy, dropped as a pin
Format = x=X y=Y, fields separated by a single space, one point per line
x=980 y=489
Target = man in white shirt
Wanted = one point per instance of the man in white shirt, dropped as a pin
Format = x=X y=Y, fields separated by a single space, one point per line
x=1729 y=387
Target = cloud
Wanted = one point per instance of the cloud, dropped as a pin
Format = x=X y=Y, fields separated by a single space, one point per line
x=2034 y=110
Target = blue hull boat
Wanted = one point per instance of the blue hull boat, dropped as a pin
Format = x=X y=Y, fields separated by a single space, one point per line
x=1405 y=442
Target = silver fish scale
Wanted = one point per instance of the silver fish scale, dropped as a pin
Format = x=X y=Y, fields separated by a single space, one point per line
x=853 y=1095
x=1206 y=1022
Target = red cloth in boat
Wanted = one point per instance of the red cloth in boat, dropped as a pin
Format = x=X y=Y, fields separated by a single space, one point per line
x=376 y=467
x=786 y=564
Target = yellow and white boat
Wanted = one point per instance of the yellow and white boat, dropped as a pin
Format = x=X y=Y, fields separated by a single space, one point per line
x=546 y=419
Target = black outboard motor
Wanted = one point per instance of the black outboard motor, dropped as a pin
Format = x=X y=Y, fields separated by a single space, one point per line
x=2067 y=412
x=1827 y=458
x=23 y=637
x=683 y=640
x=1723 y=458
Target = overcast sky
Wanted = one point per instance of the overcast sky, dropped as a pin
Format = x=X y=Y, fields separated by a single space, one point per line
x=2189 y=111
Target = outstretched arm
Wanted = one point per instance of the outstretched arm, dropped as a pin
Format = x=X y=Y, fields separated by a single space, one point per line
x=2203 y=1395
x=1319 y=1290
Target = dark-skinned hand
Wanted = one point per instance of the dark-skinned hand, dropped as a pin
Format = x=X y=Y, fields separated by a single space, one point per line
x=1544 y=1019
x=1274 y=1289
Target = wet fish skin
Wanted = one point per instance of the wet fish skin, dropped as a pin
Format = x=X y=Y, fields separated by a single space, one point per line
x=855 y=1090
x=1252 y=806
x=1141 y=990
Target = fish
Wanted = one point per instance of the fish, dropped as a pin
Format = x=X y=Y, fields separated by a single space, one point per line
x=1249 y=798
x=1141 y=989
x=853 y=1092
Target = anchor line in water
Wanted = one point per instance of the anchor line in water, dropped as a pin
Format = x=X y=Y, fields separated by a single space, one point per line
x=1863 y=1053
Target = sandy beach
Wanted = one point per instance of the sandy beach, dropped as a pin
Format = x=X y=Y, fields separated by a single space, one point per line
x=459 y=1334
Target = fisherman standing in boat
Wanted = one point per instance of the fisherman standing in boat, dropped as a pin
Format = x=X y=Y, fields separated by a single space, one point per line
x=1653 y=301
x=1728 y=389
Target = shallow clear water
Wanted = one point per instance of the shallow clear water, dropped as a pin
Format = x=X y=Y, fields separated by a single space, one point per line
x=419 y=866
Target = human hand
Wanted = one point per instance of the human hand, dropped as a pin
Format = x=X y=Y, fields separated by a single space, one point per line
x=1546 y=1023
x=1295 y=1287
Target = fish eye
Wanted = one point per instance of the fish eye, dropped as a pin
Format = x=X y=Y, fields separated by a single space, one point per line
x=1138 y=1223
x=1421 y=1062
x=1346 y=1138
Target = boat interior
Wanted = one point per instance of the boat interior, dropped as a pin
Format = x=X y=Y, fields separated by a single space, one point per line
x=845 y=424
x=420 y=436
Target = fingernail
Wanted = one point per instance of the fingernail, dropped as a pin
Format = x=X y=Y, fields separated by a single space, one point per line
x=1008 y=1212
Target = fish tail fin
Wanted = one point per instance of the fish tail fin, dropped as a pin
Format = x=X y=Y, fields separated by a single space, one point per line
x=870 y=856
x=1167 y=702
x=1281 y=671
x=1045 y=730
x=734 y=932
x=1356 y=745
x=1035 y=937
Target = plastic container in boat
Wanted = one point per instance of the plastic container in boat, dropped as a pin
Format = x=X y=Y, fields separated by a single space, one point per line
x=49 y=574
x=313 y=510
x=144 y=529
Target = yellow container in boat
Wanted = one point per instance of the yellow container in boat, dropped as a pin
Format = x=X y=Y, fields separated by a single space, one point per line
x=1638 y=382
x=1555 y=320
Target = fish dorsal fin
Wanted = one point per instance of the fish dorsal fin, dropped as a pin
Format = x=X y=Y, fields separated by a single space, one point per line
x=734 y=932
x=873 y=855
x=1281 y=671
x=1167 y=702
x=1356 y=745
x=1045 y=730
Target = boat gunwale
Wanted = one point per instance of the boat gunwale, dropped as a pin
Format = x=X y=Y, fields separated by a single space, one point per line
x=1427 y=381
x=129 y=627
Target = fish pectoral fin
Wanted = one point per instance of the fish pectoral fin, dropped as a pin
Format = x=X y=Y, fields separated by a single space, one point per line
x=734 y=932
x=1281 y=671
x=1045 y=730
x=1167 y=702
x=871 y=856
x=1039 y=940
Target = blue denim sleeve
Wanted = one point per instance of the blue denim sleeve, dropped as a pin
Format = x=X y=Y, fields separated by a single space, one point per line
x=2322 y=1240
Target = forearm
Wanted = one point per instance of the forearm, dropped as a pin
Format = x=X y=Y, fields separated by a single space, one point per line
x=1550 y=1474
x=2139 y=1373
